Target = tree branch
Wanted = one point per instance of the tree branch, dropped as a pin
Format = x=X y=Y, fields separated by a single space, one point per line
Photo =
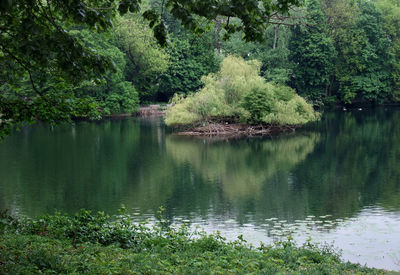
x=19 y=61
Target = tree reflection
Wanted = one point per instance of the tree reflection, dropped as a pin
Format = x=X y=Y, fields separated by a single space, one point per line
x=242 y=167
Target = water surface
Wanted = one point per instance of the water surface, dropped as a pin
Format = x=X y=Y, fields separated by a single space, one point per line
x=336 y=181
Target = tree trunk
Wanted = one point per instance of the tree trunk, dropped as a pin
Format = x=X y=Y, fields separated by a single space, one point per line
x=276 y=28
x=218 y=45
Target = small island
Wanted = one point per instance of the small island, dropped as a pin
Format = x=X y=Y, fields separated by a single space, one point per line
x=238 y=101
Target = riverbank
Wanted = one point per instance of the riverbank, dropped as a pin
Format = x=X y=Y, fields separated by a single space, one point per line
x=98 y=244
x=153 y=110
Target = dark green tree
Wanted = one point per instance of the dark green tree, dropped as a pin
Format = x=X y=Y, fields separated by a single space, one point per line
x=391 y=14
x=363 y=64
x=113 y=94
x=313 y=53
x=191 y=58
x=373 y=82
x=37 y=48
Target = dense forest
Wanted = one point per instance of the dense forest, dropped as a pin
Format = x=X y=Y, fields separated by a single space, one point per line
x=330 y=51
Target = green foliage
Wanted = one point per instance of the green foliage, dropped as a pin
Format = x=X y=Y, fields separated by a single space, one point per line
x=19 y=104
x=59 y=100
x=80 y=228
x=391 y=15
x=196 y=16
x=156 y=250
x=37 y=49
x=362 y=69
x=259 y=103
x=191 y=58
x=238 y=93
x=292 y=112
x=312 y=50
x=274 y=57
x=113 y=93
x=373 y=80
x=146 y=60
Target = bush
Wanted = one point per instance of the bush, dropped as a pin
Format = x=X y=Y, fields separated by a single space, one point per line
x=259 y=102
x=237 y=93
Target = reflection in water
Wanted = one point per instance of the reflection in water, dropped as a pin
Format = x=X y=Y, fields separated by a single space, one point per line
x=343 y=166
x=356 y=165
x=69 y=168
x=241 y=168
x=248 y=173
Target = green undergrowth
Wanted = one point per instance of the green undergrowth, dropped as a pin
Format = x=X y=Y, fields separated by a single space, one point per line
x=88 y=243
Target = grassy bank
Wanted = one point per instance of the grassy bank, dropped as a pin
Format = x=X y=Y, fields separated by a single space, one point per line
x=98 y=244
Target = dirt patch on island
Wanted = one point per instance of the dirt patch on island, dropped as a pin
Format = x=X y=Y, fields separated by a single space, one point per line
x=235 y=129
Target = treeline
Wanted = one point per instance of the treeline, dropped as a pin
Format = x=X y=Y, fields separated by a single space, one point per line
x=333 y=51
x=329 y=51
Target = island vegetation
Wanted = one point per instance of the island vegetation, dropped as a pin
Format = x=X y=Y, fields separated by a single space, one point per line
x=238 y=94
x=95 y=243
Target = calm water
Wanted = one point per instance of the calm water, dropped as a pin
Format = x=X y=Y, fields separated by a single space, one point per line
x=336 y=181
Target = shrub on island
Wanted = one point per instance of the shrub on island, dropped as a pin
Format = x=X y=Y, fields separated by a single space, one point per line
x=237 y=93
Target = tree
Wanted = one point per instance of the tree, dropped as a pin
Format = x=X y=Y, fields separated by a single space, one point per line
x=341 y=17
x=273 y=53
x=373 y=83
x=36 y=47
x=146 y=59
x=253 y=15
x=363 y=64
x=191 y=58
x=114 y=94
x=313 y=53
x=391 y=15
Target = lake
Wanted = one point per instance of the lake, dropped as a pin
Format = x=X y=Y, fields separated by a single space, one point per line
x=336 y=181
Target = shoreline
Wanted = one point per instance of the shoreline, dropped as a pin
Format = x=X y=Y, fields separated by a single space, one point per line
x=154 y=110
x=158 y=110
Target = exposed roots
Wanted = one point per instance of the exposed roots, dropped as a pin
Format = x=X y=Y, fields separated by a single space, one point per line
x=234 y=130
